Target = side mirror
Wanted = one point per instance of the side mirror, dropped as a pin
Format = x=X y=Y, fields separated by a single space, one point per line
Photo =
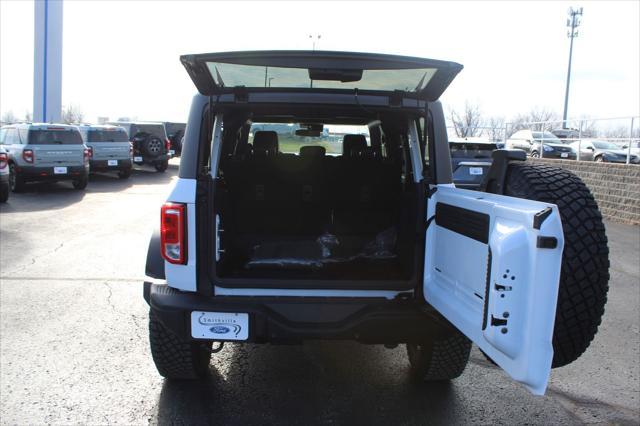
x=590 y=148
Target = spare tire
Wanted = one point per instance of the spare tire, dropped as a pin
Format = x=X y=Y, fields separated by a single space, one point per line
x=152 y=146
x=584 y=275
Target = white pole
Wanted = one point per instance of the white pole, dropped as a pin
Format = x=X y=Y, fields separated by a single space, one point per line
x=47 y=64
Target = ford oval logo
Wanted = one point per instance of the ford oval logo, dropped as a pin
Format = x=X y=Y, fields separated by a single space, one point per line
x=220 y=329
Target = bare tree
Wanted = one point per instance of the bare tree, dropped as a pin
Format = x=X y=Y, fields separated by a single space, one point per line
x=467 y=123
x=72 y=114
x=494 y=128
x=537 y=119
x=8 y=117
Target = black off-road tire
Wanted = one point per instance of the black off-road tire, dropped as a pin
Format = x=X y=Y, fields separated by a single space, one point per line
x=16 y=181
x=4 y=192
x=584 y=277
x=153 y=146
x=439 y=360
x=81 y=183
x=162 y=166
x=174 y=357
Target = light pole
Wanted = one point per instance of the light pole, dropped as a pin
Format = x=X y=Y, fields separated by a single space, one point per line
x=314 y=38
x=573 y=22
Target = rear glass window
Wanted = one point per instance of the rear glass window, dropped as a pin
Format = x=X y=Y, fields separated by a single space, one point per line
x=54 y=137
x=231 y=75
x=107 y=136
x=330 y=138
x=472 y=150
x=153 y=129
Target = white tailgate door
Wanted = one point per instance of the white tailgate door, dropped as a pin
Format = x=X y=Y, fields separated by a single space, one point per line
x=493 y=275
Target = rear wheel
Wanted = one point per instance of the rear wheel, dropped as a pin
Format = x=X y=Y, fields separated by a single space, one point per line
x=4 y=192
x=175 y=357
x=16 y=181
x=81 y=183
x=438 y=360
x=161 y=166
x=584 y=276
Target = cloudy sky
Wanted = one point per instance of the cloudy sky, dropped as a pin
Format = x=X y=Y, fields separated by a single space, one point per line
x=121 y=58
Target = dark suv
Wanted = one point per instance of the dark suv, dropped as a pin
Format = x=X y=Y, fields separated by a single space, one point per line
x=150 y=143
x=175 y=133
x=350 y=226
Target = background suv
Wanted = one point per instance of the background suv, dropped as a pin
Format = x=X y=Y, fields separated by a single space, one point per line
x=39 y=152
x=150 y=143
x=4 y=176
x=175 y=133
x=109 y=148
x=540 y=144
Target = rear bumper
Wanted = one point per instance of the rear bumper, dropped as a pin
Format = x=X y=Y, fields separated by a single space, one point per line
x=103 y=165
x=150 y=160
x=556 y=154
x=294 y=320
x=4 y=178
x=47 y=173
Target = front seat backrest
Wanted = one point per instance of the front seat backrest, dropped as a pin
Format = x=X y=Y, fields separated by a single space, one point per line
x=265 y=143
x=352 y=144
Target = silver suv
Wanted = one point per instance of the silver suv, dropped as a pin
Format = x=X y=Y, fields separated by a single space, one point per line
x=45 y=152
x=109 y=149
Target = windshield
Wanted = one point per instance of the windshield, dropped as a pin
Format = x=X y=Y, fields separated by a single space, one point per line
x=62 y=136
x=605 y=145
x=107 y=135
x=330 y=138
x=546 y=137
x=230 y=75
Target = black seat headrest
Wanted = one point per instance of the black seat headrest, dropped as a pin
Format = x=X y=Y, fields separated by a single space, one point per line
x=265 y=143
x=312 y=151
x=352 y=144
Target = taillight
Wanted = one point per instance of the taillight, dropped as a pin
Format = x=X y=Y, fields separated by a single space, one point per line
x=88 y=154
x=28 y=155
x=173 y=236
x=130 y=149
x=4 y=160
x=167 y=144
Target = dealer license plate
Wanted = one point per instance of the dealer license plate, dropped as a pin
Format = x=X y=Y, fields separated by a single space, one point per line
x=59 y=170
x=219 y=325
x=112 y=162
x=137 y=159
x=172 y=151
x=564 y=154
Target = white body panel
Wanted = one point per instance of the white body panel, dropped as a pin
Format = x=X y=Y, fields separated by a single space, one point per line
x=183 y=277
x=523 y=281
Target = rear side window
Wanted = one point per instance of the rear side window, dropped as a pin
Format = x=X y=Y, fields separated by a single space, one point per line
x=153 y=129
x=54 y=137
x=107 y=136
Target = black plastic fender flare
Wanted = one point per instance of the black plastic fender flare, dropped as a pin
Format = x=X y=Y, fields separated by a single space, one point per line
x=155 y=262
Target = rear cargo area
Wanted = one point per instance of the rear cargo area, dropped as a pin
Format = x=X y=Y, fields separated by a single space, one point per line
x=315 y=216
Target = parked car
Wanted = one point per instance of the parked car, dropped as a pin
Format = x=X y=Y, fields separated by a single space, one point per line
x=470 y=160
x=45 y=152
x=566 y=135
x=4 y=175
x=635 y=147
x=175 y=132
x=603 y=151
x=109 y=149
x=375 y=244
x=150 y=143
x=540 y=144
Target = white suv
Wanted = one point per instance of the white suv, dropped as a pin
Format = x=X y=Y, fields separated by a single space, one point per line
x=303 y=234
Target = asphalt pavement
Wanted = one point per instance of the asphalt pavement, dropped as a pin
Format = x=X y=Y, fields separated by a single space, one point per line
x=74 y=347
